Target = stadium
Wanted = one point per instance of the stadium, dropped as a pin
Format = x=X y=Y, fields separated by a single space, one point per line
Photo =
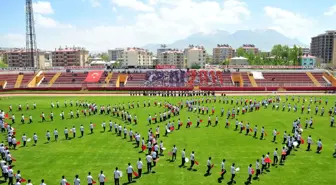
x=187 y=120
x=175 y=102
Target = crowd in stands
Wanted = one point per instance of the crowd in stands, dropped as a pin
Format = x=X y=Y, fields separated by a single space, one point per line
x=173 y=78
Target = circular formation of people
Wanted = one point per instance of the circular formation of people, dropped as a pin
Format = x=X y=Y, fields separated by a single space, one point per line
x=193 y=103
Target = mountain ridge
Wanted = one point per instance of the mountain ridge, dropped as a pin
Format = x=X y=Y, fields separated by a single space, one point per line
x=264 y=39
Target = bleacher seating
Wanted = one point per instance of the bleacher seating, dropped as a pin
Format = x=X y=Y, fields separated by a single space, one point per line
x=284 y=79
x=27 y=77
x=136 y=80
x=246 y=80
x=319 y=78
x=47 y=77
x=10 y=78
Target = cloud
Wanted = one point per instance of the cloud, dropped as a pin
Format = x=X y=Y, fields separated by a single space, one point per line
x=165 y=21
x=331 y=11
x=42 y=7
x=93 y=3
x=291 y=24
x=133 y=4
x=47 y=22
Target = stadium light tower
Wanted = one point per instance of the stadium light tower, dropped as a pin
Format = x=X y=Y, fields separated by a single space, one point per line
x=31 y=47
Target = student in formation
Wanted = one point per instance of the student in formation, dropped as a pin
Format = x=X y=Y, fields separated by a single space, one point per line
x=139 y=165
x=319 y=146
x=89 y=179
x=56 y=134
x=149 y=160
x=223 y=171
x=77 y=180
x=208 y=166
x=309 y=142
x=29 y=182
x=275 y=156
x=66 y=133
x=35 y=139
x=73 y=130
x=249 y=171
x=183 y=157
x=174 y=150
x=101 y=178
x=192 y=159
x=42 y=182
x=117 y=175
x=24 y=140
x=81 y=128
x=233 y=173
x=129 y=173
x=48 y=136
x=258 y=171
x=63 y=181
x=10 y=176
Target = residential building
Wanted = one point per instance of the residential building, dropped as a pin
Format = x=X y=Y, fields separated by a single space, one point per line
x=250 y=48
x=74 y=56
x=196 y=56
x=171 y=57
x=322 y=46
x=162 y=49
x=305 y=51
x=137 y=57
x=115 y=54
x=334 y=54
x=20 y=57
x=221 y=53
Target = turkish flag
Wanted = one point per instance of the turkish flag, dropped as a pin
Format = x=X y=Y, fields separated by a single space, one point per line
x=252 y=171
x=201 y=121
x=93 y=76
x=135 y=174
x=23 y=180
x=6 y=116
x=251 y=130
x=212 y=165
x=143 y=147
x=94 y=182
x=13 y=159
x=196 y=163
x=18 y=143
x=67 y=183
x=302 y=141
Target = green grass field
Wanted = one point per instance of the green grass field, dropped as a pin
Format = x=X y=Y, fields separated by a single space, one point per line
x=105 y=151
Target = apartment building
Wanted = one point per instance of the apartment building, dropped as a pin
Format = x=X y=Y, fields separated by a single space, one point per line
x=221 y=53
x=137 y=57
x=305 y=51
x=21 y=58
x=115 y=54
x=171 y=57
x=75 y=56
x=322 y=46
x=196 y=55
x=250 y=48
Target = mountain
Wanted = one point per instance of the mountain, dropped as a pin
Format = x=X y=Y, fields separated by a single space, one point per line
x=262 y=39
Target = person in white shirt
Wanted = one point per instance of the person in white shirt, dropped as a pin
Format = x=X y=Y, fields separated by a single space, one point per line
x=18 y=175
x=183 y=158
x=91 y=127
x=192 y=159
x=10 y=176
x=117 y=175
x=319 y=146
x=309 y=141
x=73 y=131
x=249 y=171
x=14 y=142
x=101 y=178
x=42 y=182
x=35 y=139
x=29 y=182
x=63 y=181
x=89 y=179
x=139 y=165
x=18 y=182
x=5 y=171
x=233 y=173
x=149 y=160
x=129 y=173
x=81 y=128
x=275 y=156
x=174 y=150
x=76 y=180
x=48 y=136
x=104 y=126
x=56 y=134
x=66 y=133
x=223 y=169
x=209 y=166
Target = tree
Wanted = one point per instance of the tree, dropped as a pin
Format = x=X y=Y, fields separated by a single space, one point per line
x=104 y=57
x=241 y=52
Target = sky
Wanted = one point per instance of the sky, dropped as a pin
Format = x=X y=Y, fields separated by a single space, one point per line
x=99 y=25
